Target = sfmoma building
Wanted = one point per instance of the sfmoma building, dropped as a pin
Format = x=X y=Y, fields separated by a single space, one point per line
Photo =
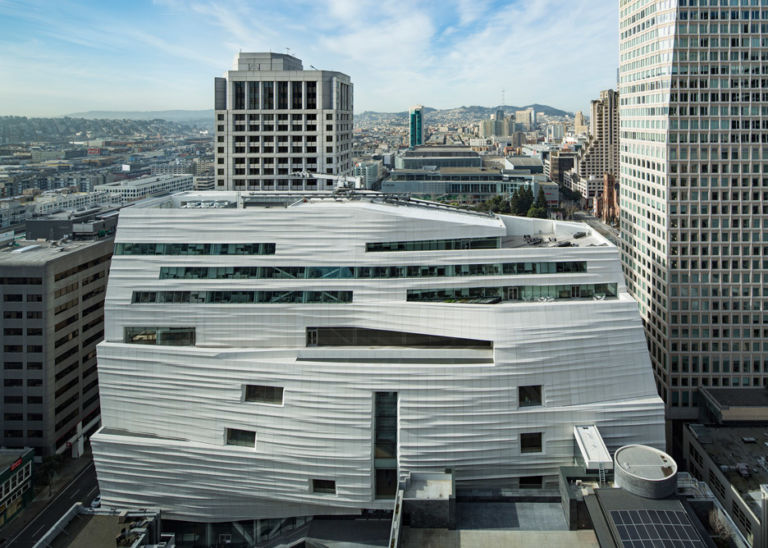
x=268 y=356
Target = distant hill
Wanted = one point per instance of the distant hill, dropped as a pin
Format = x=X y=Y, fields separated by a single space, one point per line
x=464 y=112
x=169 y=115
x=20 y=129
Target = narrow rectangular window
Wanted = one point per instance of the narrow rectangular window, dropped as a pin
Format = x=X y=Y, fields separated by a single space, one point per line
x=297 y=95
x=253 y=95
x=264 y=394
x=239 y=98
x=530 y=442
x=243 y=438
x=268 y=95
x=385 y=444
x=324 y=486
x=529 y=396
x=282 y=95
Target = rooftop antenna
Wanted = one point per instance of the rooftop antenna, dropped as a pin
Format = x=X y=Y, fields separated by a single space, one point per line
x=288 y=51
x=313 y=67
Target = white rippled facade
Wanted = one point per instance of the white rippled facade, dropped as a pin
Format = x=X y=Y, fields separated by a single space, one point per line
x=166 y=409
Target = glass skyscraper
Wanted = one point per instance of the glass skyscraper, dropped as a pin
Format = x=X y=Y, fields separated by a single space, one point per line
x=416 y=126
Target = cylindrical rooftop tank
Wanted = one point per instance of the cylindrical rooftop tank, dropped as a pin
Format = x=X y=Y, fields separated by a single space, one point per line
x=645 y=471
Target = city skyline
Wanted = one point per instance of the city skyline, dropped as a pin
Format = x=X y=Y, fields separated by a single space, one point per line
x=68 y=57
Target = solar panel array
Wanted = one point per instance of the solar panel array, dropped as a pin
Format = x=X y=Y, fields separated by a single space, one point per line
x=656 y=529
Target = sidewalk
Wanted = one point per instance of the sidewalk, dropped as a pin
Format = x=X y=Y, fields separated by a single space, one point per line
x=69 y=470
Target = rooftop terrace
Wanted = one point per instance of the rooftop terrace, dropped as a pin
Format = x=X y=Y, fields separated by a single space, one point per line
x=515 y=232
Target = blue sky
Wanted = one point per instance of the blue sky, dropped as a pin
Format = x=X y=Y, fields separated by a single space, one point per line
x=64 y=56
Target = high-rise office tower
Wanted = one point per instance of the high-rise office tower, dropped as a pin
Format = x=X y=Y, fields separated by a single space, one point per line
x=416 y=126
x=579 y=124
x=526 y=118
x=496 y=126
x=555 y=133
x=53 y=318
x=601 y=153
x=694 y=171
x=273 y=119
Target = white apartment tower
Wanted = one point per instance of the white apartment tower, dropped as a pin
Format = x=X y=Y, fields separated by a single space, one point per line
x=273 y=119
x=694 y=190
x=601 y=153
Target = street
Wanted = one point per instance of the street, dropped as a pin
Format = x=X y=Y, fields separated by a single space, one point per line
x=82 y=489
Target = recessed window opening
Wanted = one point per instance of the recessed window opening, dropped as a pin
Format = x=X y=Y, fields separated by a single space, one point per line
x=264 y=394
x=243 y=438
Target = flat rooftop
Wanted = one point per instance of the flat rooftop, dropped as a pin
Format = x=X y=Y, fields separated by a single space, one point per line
x=429 y=486
x=741 y=453
x=738 y=397
x=645 y=462
x=9 y=456
x=439 y=151
x=483 y=524
x=89 y=530
x=74 y=215
x=519 y=161
x=628 y=518
x=452 y=170
x=36 y=253
x=141 y=181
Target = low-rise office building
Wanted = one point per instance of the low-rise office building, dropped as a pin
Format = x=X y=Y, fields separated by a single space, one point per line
x=436 y=157
x=130 y=190
x=728 y=452
x=473 y=185
x=15 y=482
x=732 y=461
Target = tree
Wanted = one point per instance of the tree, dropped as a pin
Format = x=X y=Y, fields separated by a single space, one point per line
x=514 y=202
x=538 y=212
x=539 y=208
x=524 y=201
x=496 y=204
x=48 y=469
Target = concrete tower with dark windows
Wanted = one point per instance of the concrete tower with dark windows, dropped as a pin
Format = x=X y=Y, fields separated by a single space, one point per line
x=52 y=298
x=273 y=119
x=417 y=131
x=694 y=178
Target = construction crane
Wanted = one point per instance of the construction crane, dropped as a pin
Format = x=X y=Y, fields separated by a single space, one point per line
x=342 y=181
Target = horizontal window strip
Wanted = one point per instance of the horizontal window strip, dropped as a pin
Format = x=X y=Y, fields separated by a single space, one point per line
x=399 y=359
x=194 y=249
x=163 y=336
x=241 y=297
x=21 y=281
x=493 y=242
x=363 y=272
x=494 y=295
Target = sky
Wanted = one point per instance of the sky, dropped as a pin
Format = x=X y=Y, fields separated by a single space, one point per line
x=62 y=56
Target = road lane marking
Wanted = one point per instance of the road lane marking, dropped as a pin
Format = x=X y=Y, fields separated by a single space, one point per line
x=48 y=506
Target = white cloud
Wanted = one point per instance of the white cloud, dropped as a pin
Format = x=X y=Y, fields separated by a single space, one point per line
x=471 y=10
x=398 y=52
